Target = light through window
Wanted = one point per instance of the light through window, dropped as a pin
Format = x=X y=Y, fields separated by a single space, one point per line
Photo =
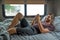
x=13 y=9
x=33 y=9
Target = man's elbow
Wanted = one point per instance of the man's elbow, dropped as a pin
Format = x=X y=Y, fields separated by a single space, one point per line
x=44 y=31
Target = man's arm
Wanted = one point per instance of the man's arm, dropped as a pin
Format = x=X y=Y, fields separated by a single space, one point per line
x=33 y=22
x=41 y=28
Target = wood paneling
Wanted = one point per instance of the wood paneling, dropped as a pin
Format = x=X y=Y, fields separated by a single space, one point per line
x=35 y=1
x=22 y=1
x=14 y=1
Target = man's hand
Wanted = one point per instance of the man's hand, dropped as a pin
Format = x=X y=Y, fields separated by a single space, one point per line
x=38 y=17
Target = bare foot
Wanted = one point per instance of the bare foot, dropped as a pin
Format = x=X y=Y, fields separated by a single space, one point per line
x=12 y=30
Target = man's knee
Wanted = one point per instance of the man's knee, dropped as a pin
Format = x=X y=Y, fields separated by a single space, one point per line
x=20 y=16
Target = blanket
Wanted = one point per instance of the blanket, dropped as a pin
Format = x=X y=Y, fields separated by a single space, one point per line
x=44 y=36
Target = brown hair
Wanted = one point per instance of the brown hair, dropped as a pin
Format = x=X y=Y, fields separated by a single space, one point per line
x=51 y=14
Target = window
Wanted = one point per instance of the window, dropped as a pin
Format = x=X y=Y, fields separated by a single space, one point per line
x=26 y=10
x=33 y=9
x=13 y=9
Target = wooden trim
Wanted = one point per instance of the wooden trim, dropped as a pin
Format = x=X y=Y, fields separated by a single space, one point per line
x=14 y=1
x=35 y=1
x=23 y=1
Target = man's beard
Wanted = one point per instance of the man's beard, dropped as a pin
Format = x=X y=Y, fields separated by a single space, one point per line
x=48 y=20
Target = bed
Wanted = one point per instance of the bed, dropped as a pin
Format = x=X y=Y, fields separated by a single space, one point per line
x=55 y=35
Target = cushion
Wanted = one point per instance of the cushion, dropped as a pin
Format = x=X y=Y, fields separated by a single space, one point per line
x=56 y=23
x=43 y=18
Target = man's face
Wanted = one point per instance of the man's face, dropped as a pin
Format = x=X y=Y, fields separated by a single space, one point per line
x=48 y=18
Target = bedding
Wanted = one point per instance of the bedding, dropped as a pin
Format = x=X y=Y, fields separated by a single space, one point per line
x=47 y=36
x=56 y=23
x=56 y=34
x=1 y=37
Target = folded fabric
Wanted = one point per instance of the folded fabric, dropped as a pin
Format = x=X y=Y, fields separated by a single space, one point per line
x=56 y=23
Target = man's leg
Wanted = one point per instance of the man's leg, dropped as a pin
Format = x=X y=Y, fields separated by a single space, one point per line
x=16 y=19
x=24 y=23
x=26 y=31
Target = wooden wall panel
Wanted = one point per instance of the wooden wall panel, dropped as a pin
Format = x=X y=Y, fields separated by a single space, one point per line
x=35 y=1
x=14 y=1
x=22 y=1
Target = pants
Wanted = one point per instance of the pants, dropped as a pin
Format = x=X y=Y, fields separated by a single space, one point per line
x=25 y=28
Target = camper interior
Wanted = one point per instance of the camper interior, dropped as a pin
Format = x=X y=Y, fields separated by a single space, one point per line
x=18 y=19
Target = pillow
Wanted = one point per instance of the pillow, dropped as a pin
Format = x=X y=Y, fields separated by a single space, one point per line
x=56 y=23
x=43 y=18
